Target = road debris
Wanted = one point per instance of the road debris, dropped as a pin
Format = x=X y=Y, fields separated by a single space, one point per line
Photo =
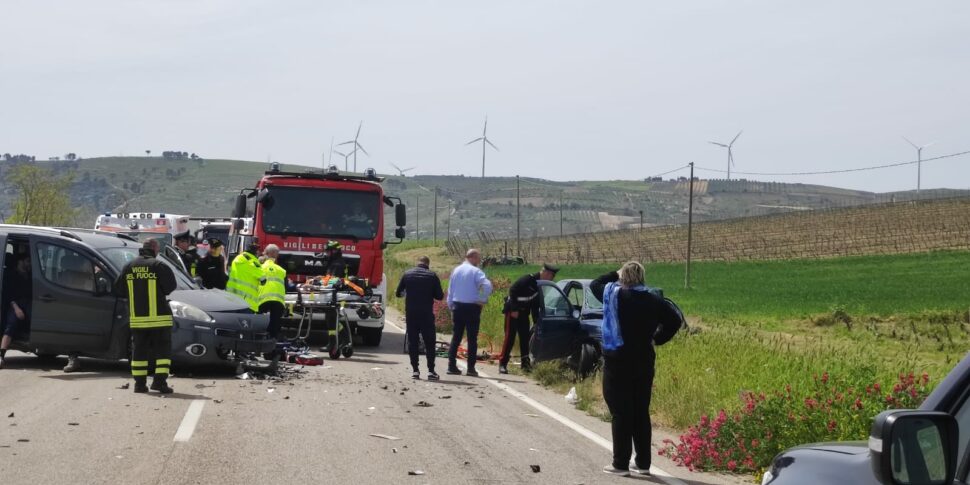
x=217 y=401
x=376 y=368
x=423 y=404
x=10 y=415
x=73 y=424
x=444 y=397
x=124 y=386
x=23 y=440
x=244 y=376
x=393 y=450
x=535 y=468
x=571 y=396
x=270 y=390
x=386 y=437
x=415 y=473
x=532 y=415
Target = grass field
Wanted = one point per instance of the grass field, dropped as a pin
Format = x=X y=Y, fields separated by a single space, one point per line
x=760 y=326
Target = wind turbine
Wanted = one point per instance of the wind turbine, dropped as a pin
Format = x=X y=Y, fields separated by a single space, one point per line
x=356 y=145
x=729 y=147
x=346 y=158
x=403 y=171
x=484 y=139
x=919 y=162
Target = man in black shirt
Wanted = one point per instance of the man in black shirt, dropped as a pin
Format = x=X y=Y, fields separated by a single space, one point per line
x=523 y=302
x=421 y=287
x=17 y=286
x=184 y=242
x=212 y=267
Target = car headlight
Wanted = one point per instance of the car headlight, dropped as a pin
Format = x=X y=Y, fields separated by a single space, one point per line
x=189 y=312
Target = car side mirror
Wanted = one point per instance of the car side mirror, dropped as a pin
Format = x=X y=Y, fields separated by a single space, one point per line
x=400 y=216
x=399 y=233
x=238 y=224
x=239 y=209
x=914 y=447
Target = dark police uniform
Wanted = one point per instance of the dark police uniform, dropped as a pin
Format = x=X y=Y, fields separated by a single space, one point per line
x=190 y=258
x=212 y=269
x=523 y=299
x=146 y=282
x=420 y=287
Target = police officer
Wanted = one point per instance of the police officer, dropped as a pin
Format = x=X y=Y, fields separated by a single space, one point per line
x=146 y=282
x=212 y=266
x=420 y=287
x=272 y=292
x=246 y=276
x=522 y=302
x=184 y=242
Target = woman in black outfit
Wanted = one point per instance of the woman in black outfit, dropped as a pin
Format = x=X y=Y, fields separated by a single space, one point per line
x=645 y=320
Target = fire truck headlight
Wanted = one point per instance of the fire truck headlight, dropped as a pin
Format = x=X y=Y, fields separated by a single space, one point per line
x=189 y=312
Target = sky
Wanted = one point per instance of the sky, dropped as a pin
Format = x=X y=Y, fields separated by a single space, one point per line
x=573 y=90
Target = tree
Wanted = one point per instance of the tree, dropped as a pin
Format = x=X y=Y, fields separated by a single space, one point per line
x=43 y=199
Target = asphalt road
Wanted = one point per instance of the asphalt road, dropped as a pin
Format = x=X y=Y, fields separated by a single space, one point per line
x=83 y=428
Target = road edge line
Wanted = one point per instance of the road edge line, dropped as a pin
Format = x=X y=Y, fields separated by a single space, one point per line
x=585 y=432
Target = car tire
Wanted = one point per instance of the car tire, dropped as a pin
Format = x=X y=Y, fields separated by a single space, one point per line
x=371 y=337
x=589 y=357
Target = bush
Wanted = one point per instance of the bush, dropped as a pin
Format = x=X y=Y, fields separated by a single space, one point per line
x=834 y=410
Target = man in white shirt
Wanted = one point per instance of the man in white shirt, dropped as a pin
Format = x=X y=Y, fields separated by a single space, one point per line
x=468 y=292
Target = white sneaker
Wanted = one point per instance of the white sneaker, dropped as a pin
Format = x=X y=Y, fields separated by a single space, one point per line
x=609 y=470
x=644 y=472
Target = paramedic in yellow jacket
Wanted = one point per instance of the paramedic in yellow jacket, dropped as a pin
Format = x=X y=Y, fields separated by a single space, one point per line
x=245 y=277
x=271 y=294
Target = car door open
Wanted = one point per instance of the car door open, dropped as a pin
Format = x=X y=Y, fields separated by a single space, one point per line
x=557 y=331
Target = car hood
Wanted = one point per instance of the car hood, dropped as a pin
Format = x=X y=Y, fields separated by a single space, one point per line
x=211 y=300
x=823 y=463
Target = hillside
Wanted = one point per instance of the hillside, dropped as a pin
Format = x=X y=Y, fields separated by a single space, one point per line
x=207 y=187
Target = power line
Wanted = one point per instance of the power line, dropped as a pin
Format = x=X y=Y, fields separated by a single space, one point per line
x=845 y=170
x=670 y=171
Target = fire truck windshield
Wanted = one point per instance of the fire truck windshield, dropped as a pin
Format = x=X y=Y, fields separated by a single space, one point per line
x=315 y=212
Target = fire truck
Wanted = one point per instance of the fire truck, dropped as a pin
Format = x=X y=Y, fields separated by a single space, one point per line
x=301 y=212
x=144 y=225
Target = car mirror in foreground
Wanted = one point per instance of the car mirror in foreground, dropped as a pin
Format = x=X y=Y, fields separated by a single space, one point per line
x=914 y=447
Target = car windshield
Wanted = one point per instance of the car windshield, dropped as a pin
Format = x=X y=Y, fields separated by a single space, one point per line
x=308 y=211
x=120 y=256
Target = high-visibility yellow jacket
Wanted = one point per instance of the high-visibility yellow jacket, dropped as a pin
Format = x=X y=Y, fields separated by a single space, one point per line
x=146 y=282
x=245 y=275
x=275 y=287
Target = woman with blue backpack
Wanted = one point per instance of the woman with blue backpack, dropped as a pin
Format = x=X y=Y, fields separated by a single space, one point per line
x=635 y=320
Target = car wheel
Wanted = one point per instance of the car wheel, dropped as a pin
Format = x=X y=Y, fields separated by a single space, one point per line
x=588 y=359
x=371 y=336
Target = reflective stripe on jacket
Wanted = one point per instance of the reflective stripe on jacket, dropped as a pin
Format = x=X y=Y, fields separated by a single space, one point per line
x=275 y=287
x=146 y=282
x=244 y=279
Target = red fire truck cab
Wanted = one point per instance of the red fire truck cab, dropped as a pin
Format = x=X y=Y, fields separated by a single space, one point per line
x=301 y=212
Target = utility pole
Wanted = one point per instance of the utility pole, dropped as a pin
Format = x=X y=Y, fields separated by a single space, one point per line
x=690 y=226
x=561 y=232
x=518 y=218
x=417 y=217
x=434 y=237
x=639 y=238
x=449 y=221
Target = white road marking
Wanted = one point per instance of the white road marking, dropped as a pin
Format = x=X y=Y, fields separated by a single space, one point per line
x=585 y=432
x=189 y=422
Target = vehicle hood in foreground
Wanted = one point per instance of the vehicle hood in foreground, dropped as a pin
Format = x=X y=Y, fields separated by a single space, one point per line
x=211 y=300
x=823 y=463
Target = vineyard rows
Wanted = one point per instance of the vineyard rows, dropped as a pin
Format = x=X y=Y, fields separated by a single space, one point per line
x=890 y=228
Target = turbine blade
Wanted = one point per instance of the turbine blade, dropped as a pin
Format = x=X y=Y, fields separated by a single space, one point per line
x=409 y=169
x=362 y=149
x=911 y=143
x=345 y=143
x=718 y=144
x=486 y=126
x=930 y=144
x=490 y=143
x=361 y=125
x=395 y=166
x=476 y=140
x=736 y=137
x=339 y=153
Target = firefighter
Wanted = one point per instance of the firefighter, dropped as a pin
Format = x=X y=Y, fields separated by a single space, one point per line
x=522 y=302
x=146 y=282
x=185 y=244
x=246 y=276
x=271 y=294
x=336 y=266
x=212 y=266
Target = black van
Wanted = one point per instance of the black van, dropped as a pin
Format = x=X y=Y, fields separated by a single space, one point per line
x=73 y=309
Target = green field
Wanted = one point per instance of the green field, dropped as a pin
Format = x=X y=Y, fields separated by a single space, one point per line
x=759 y=326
